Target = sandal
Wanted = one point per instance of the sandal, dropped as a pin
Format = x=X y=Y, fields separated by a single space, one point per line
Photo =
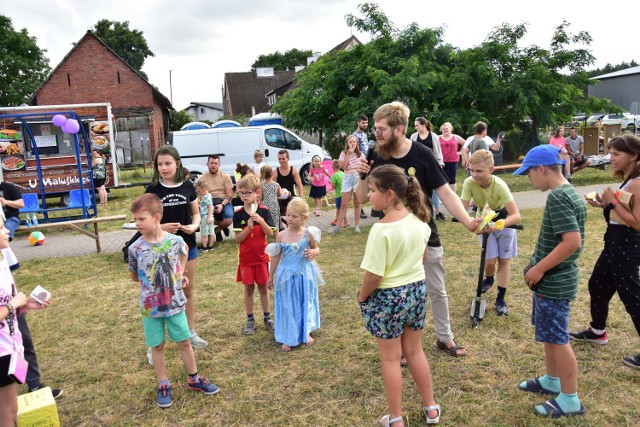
x=553 y=410
x=403 y=362
x=534 y=386
x=454 y=351
x=386 y=420
x=425 y=411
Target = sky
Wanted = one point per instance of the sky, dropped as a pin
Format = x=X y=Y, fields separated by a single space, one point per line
x=197 y=41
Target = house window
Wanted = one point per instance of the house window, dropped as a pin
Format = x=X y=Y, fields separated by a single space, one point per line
x=201 y=110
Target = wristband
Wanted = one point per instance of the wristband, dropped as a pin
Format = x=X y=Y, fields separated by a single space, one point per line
x=614 y=202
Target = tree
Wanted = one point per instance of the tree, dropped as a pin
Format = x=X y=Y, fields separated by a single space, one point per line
x=128 y=44
x=177 y=119
x=23 y=65
x=611 y=68
x=282 y=61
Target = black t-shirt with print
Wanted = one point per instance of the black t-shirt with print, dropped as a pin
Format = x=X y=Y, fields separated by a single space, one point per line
x=428 y=173
x=176 y=202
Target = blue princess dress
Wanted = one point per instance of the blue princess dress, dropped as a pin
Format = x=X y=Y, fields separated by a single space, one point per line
x=296 y=281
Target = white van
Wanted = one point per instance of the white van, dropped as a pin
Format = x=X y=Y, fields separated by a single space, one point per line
x=238 y=144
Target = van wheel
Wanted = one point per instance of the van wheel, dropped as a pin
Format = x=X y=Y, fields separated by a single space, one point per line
x=304 y=175
x=194 y=176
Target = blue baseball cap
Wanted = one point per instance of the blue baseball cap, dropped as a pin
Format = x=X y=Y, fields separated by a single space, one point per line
x=542 y=155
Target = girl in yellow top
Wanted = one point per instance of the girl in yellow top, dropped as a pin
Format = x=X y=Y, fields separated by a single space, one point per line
x=393 y=293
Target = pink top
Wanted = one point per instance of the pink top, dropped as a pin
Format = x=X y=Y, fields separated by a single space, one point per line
x=353 y=161
x=449 y=149
x=318 y=176
x=558 y=142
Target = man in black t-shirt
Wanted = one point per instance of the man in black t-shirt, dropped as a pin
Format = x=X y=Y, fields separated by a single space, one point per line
x=393 y=147
x=11 y=201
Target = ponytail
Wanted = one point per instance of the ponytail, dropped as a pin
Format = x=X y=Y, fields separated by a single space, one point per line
x=416 y=201
x=390 y=177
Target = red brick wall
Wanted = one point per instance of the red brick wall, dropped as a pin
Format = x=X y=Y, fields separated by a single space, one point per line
x=92 y=73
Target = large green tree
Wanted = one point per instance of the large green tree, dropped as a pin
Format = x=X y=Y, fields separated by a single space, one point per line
x=23 y=65
x=129 y=44
x=282 y=61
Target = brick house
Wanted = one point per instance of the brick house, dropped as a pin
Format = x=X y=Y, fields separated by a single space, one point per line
x=90 y=73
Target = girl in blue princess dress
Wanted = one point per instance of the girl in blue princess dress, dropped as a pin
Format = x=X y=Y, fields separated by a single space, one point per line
x=295 y=277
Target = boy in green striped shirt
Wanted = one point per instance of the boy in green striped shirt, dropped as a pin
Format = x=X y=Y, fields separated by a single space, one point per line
x=552 y=275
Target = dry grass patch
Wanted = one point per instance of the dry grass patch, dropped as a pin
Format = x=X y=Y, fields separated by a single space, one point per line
x=90 y=342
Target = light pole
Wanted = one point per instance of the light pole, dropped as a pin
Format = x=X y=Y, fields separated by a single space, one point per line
x=170 y=88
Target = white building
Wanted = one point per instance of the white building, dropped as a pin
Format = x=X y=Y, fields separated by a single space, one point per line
x=211 y=111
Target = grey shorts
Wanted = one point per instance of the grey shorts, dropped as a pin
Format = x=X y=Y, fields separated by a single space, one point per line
x=502 y=244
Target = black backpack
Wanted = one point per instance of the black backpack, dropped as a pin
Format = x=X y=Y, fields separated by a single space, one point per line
x=125 y=248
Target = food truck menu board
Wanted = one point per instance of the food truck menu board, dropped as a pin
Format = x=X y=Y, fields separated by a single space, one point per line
x=99 y=135
x=11 y=150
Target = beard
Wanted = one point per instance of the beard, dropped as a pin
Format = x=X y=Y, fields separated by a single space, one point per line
x=388 y=147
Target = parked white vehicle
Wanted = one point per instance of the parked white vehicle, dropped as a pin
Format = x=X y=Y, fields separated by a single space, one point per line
x=626 y=120
x=238 y=144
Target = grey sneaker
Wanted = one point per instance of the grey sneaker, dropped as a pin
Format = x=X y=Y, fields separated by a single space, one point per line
x=268 y=323
x=356 y=229
x=197 y=342
x=149 y=356
x=334 y=230
x=249 y=327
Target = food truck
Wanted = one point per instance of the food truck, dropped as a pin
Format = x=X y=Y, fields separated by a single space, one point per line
x=61 y=158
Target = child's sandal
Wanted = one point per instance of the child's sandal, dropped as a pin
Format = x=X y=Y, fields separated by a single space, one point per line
x=426 y=409
x=386 y=420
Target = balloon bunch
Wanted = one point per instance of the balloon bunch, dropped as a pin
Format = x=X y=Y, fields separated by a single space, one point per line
x=67 y=125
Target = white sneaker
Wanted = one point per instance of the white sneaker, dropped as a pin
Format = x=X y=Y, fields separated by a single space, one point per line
x=149 y=356
x=356 y=229
x=334 y=230
x=197 y=342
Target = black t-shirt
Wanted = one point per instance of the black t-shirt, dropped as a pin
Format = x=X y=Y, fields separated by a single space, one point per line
x=10 y=192
x=428 y=173
x=176 y=202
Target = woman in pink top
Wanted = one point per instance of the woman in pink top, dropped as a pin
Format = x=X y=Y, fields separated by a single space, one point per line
x=449 y=145
x=559 y=141
x=349 y=160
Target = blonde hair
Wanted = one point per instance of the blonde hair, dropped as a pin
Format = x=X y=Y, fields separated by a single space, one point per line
x=266 y=172
x=258 y=153
x=300 y=207
x=396 y=113
x=202 y=184
x=346 y=146
x=250 y=182
x=482 y=156
x=446 y=124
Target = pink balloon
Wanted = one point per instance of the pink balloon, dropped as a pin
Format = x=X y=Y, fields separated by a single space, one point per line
x=59 y=120
x=71 y=126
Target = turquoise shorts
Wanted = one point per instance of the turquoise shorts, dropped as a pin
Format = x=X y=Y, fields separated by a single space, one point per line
x=176 y=325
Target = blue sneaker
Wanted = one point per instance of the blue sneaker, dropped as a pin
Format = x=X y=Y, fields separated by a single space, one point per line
x=164 y=396
x=487 y=284
x=501 y=307
x=201 y=384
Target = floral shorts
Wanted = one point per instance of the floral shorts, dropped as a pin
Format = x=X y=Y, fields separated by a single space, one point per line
x=551 y=320
x=387 y=311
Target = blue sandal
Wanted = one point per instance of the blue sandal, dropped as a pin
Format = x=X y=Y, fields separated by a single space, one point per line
x=534 y=386
x=553 y=410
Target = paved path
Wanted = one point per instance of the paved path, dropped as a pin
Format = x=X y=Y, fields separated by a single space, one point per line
x=67 y=244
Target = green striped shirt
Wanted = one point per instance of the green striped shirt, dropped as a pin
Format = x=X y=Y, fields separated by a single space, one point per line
x=564 y=212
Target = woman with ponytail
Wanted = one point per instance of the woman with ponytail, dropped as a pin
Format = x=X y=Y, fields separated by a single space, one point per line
x=616 y=269
x=393 y=293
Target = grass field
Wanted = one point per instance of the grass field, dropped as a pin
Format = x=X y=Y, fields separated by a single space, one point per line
x=90 y=343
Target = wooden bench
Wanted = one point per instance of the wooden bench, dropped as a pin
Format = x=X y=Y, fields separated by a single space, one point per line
x=506 y=168
x=75 y=225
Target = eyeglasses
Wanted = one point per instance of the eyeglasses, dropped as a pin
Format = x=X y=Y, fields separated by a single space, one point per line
x=245 y=193
x=380 y=131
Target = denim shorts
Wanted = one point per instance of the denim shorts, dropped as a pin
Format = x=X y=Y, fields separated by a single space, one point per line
x=226 y=213
x=350 y=182
x=551 y=319
x=193 y=254
x=338 y=202
x=387 y=311
x=177 y=327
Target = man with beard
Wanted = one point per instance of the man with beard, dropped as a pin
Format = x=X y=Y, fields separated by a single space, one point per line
x=221 y=190
x=418 y=161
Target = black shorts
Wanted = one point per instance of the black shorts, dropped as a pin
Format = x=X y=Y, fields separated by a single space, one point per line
x=5 y=380
x=98 y=182
x=318 y=192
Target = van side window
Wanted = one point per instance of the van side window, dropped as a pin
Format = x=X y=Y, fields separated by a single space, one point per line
x=275 y=138
x=291 y=142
